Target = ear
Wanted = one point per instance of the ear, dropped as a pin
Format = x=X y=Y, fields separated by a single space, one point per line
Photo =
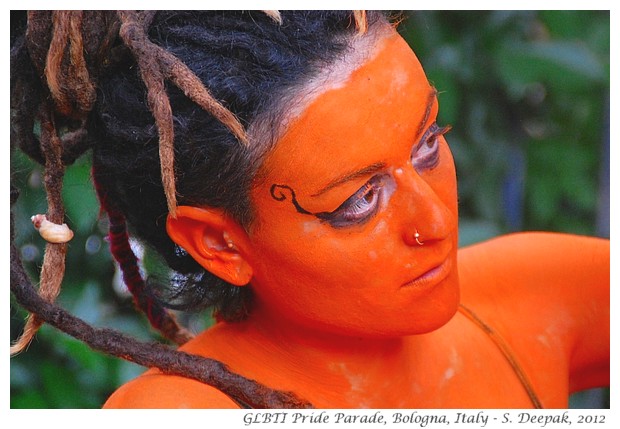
x=214 y=240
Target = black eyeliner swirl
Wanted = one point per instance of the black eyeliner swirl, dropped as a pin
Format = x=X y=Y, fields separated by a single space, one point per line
x=278 y=195
x=282 y=197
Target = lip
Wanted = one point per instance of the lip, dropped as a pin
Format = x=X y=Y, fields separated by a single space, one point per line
x=431 y=277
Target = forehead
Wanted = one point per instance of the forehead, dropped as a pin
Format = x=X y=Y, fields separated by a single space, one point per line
x=354 y=123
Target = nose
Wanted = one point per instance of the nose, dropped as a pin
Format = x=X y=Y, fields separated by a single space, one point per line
x=426 y=217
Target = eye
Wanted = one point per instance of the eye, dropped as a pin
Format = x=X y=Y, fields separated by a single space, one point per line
x=425 y=154
x=358 y=208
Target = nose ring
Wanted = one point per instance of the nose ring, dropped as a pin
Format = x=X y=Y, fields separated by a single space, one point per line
x=417 y=238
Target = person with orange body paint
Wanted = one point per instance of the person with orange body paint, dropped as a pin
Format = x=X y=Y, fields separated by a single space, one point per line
x=362 y=298
x=328 y=245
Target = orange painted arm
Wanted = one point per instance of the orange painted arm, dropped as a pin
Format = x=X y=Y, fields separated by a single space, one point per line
x=584 y=263
x=549 y=293
x=578 y=269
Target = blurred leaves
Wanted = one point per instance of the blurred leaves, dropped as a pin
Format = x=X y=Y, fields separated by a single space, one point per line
x=58 y=371
x=564 y=66
x=80 y=200
x=526 y=93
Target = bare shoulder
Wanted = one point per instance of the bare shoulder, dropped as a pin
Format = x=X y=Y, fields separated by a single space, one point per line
x=547 y=294
x=157 y=390
x=534 y=263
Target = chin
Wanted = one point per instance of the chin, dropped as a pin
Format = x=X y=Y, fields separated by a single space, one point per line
x=436 y=310
x=415 y=322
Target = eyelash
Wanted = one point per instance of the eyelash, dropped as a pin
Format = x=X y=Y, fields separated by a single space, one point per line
x=361 y=206
x=428 y=142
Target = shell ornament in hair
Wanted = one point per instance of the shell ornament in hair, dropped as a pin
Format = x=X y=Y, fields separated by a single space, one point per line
x=50 y=231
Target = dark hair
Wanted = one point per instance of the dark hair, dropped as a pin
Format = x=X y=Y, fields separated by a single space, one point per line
x=97 y=79
x=248 y=61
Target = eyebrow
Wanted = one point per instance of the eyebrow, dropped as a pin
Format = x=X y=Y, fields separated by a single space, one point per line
x=373 y=168
x=378 y=166
x=427 y=113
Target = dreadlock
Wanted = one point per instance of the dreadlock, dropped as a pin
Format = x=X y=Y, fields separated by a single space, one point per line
x=165 y=101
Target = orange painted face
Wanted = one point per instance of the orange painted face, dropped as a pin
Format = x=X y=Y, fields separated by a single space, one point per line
x=360 y=172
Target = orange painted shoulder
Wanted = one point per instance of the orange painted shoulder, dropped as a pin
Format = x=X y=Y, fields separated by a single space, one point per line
x=539 y=263
x=548 y=295
x=156 y=390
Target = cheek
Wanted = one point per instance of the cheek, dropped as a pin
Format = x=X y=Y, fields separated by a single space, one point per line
x=310 y=252
x=319 y=273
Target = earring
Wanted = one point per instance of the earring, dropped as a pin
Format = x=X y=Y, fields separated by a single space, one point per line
x=229 y=242
x=417 y=238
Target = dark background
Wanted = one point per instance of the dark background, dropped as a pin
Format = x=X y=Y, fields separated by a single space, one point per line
x=527 y=94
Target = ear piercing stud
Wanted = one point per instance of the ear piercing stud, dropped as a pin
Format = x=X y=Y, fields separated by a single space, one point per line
x=229 y=242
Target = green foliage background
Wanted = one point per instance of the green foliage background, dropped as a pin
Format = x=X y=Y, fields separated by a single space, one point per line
x=527 y=94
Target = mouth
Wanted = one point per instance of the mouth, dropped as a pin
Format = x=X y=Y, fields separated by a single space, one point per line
x=431 y=277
